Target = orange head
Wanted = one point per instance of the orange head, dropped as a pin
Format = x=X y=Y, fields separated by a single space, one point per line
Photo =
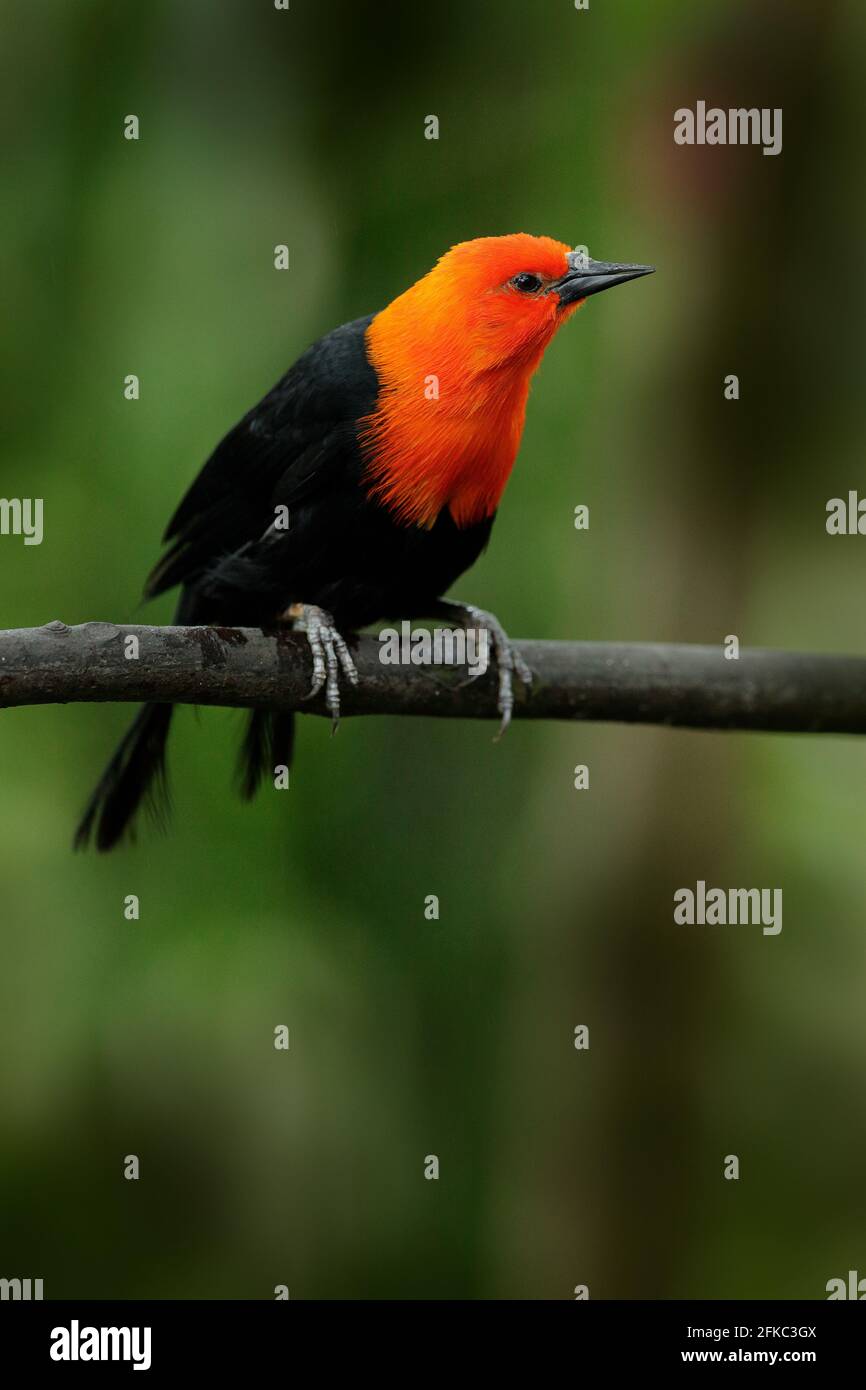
x=454 y=356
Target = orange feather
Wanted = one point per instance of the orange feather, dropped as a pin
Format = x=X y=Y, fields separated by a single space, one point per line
x=454 y=356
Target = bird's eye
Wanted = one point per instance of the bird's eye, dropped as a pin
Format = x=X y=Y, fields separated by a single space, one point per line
x=527 y=283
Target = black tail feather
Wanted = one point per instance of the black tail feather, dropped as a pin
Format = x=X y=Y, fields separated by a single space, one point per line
x=137 y=771
x=268 y=744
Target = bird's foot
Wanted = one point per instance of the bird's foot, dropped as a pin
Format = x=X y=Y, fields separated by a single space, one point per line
x=509 y=662
x=329 y=652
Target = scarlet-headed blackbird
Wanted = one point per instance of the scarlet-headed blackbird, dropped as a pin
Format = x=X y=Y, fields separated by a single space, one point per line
x=387 y=446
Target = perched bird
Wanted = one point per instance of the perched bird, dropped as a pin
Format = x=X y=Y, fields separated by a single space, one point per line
x=390 y=442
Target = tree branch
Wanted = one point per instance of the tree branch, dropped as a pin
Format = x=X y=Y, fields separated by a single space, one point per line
x=641 y=683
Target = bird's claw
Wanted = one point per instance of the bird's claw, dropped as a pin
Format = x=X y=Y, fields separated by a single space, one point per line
x=330 y=654
x=509 y=663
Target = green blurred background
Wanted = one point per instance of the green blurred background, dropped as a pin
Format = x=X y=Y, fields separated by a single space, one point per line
x=454 y=1037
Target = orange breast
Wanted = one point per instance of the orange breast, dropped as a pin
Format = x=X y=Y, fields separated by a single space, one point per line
x=440 y=437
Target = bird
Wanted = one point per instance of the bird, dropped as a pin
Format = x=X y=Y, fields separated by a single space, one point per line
x=360 y=487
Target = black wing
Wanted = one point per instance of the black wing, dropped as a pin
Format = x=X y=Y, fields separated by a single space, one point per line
x=283 y=450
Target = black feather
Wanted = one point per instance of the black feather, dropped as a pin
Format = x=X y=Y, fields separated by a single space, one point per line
x=298 y=448
x=268 y=744
x=136 y=771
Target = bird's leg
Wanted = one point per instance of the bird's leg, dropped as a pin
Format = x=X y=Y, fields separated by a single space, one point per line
x=509 y=662
x=329 y=652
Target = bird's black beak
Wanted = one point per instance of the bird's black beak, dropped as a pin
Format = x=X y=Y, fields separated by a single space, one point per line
x=586 y=277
